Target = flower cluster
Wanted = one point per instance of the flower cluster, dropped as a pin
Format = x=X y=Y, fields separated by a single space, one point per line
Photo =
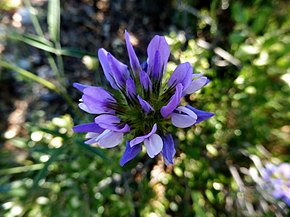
x=278 y=179
x=141 y=109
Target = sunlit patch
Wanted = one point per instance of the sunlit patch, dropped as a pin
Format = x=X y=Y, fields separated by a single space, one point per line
x=218 y=186
x=36 y=136
x=211 y=150
x=44 y=158
x=251 y=90
x=17 y=20
x=16 y=210
x=286 y=77
x=56 y=142
x=10 y=4
x=10 y=134
x=7 y=205
x=42 y=200
x=134 y=40
x=59 y=121
x=240 y=80
x=263 y=59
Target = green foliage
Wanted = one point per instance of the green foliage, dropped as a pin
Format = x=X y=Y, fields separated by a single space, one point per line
x=51 y=172
x=53 y=20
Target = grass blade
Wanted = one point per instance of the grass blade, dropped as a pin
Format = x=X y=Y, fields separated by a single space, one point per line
x=58 y=72
x=53 y=19
x=30 y=76
x=21 y=169
x=73 y=52
x=34 y=40
x=34 y=18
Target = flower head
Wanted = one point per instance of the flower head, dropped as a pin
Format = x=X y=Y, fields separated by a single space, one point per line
x=146 y=108
x=278 y=178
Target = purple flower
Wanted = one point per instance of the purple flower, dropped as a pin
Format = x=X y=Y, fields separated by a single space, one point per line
x=145 y=108
x=278 y=179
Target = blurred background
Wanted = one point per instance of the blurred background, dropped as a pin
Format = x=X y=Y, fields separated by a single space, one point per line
x=219 y=170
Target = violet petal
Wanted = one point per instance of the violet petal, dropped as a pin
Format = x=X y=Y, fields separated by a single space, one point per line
x=111 y=122
x=102 y=54
x=196 y=85
x=287 y=199
x=140 y=139
x=94 y=107
x=158 y=43
x=130 y=153
x=278 y=193
x=130 y=88
x=134 y=62
x=201 y=115
x=173 y=103
x=145 y=105
x=99 y=94
x=145 y=81
x=109 y=139
x=284 y=169
x=183 y=117
x=88 y=127
x=119 y=70
x=123 y=129
x=156 y=70
x=79 y=86
x=182 y=74
x=168 y=150
x=95 y=100
x=106 y=120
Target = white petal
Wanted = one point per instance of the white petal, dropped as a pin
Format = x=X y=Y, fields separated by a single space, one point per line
x=196 y=85
x=91 y=141
x=197 y=75
x=185 y=117
x=140 y=139
x=91 y=135
x=109 y=139
x=154 y=145
x=85 y=108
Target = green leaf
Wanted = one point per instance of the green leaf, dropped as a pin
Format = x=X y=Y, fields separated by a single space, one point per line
x=197 y=199
x=73 y=52
x=21 y=169
x=55 y=133
x=43 y=172
x=19 y=142
x=30 y=76
x=92 y=149
x=239 y=13
x=53 y=19
x=33 y=40
x=236 y=37
x=44 y=44
x=261 y=20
